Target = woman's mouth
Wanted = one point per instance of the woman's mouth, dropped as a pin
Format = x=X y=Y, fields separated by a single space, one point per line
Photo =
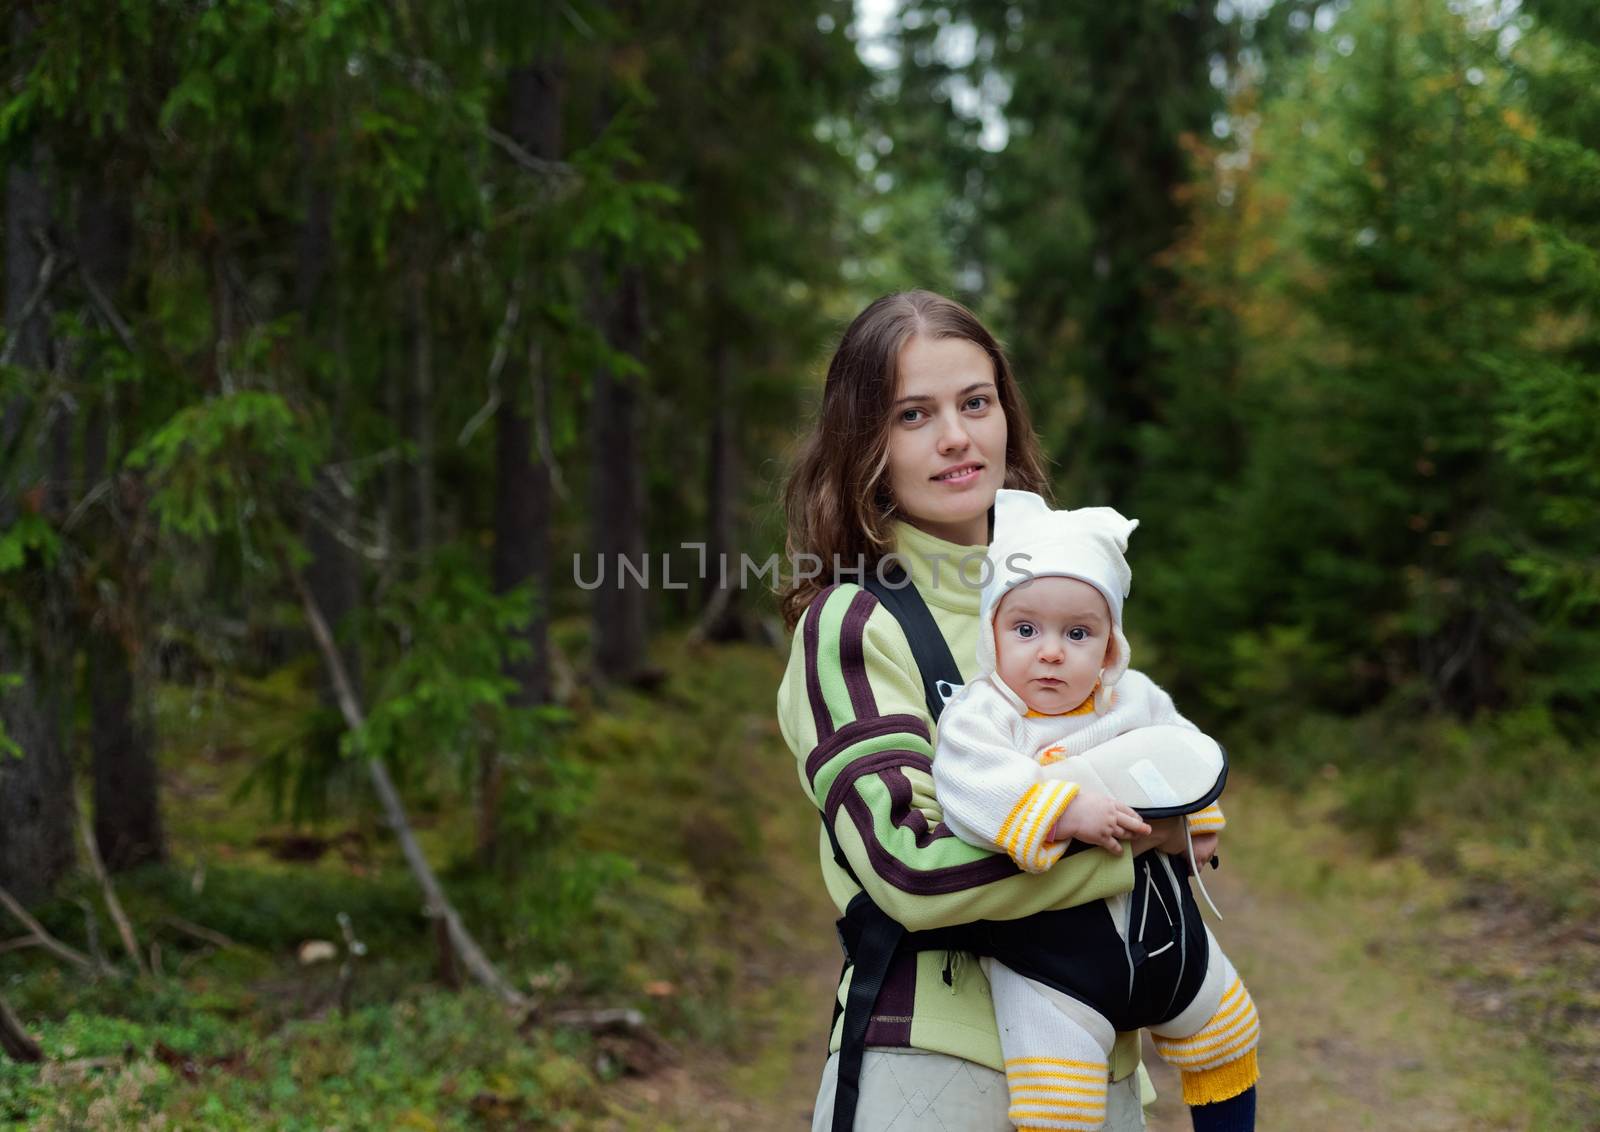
x=959 y=476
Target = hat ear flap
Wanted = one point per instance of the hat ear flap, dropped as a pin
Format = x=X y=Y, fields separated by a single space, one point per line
x=1108 y=520
x=1114 y=670
x=1012 y=506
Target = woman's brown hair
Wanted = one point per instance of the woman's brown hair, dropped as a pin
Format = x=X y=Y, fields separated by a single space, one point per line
x=837 y=499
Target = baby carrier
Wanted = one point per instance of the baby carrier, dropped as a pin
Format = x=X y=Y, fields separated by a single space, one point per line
x=1162 y=949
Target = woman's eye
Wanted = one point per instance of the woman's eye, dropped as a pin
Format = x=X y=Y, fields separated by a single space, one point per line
x=981 y=402
x=1077 y=634
x=910 y=416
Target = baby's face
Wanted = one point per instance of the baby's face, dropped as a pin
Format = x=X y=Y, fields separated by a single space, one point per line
x=1052 y=636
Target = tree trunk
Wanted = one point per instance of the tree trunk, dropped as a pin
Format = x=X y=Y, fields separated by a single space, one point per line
x=522 y=479
x=36 y=804
x=127 y=805
x=620 y=638
x=333 y=573
x=15 y=1042
x=419 y=421
x=723 y=618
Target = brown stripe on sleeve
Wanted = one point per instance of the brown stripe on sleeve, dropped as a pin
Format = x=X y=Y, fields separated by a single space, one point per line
x=852 y=661
x=908 y=816
x=935 y=881
x=860 y=731
x=819 y=705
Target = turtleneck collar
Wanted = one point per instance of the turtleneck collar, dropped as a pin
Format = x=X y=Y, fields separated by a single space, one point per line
x=922 y=554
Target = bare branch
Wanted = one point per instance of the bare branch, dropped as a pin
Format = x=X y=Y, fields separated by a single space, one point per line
x=46 y=940
x=560 y=172
x=41 y=287
x=108 y=310
x=497 y=363
x=202 y=933
x=124 y=926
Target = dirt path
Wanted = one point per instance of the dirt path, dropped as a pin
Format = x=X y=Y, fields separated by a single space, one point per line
x=1354 y=1036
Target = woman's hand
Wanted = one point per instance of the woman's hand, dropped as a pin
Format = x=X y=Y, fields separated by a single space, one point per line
x=1166 y=834
x=1162 y=831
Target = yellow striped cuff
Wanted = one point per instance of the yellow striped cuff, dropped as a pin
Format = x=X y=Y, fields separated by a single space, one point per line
x=1025 y=832
x=1208 y=1086
x=1208 y=820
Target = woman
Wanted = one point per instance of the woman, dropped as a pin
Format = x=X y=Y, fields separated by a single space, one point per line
x=921 y=424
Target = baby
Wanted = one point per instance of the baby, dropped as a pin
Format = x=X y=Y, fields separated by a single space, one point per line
x=1013 y=771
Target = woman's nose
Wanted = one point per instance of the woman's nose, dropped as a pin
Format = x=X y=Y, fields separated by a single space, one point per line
x=953 y=437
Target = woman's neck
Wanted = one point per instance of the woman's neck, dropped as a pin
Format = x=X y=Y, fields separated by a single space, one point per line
x=967 y=532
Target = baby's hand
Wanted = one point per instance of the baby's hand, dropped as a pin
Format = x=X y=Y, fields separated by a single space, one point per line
x=1098 y=819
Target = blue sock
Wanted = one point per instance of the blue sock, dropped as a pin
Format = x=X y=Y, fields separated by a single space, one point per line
x=1236 y=1114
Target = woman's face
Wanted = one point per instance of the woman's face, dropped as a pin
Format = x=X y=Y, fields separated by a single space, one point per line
x=947 y=439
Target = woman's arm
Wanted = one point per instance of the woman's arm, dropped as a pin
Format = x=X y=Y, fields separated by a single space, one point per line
x=851 y=709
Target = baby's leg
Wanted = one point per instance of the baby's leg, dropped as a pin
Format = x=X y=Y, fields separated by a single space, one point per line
x=1213 y=1041
x=1056 y=1051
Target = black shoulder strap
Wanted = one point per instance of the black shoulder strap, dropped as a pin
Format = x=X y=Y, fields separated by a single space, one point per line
x=928 y=646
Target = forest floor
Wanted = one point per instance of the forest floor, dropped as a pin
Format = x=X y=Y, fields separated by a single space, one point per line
x=1394 y=995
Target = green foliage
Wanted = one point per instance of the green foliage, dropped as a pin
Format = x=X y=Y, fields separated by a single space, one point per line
x=29 y=541
x=622 y=216
x=446 y=690
x=231 y=463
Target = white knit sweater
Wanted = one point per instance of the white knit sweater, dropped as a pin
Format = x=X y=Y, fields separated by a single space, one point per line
x=1003 y=775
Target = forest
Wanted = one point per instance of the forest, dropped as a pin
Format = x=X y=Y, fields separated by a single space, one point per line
x=344 y=340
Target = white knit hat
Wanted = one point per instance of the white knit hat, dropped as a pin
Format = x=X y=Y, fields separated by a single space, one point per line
x=1031 y=541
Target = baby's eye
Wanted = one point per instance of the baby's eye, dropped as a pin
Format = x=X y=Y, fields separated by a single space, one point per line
x=1078 y=633
x=1025 y=631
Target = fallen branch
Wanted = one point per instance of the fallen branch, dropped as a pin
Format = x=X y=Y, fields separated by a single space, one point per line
x=130 y=942
x=201 y=933
x=19 y=943
x=618 y=1018
x=14 y=1040
x=438 y=904
x=46 y=940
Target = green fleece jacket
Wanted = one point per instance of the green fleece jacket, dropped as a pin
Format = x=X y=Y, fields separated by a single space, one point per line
x=851 y=708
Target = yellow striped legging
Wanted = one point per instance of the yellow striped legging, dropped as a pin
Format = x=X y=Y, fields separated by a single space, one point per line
x=1212 y=1043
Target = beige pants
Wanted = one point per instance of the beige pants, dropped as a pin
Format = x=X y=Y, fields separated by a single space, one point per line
x=912 y=1090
